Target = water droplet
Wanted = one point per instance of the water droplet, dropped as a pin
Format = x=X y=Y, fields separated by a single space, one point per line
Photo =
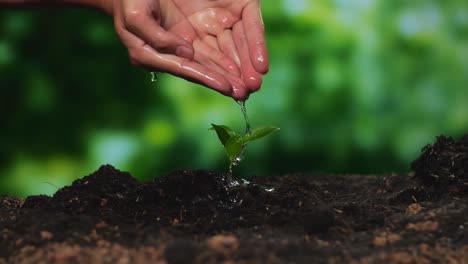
x=237 y=160
x=154 y=76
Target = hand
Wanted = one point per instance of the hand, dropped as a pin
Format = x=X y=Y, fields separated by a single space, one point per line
x=217 y=43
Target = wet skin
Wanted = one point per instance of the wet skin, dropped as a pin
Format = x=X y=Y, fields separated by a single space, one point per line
x=217 y=43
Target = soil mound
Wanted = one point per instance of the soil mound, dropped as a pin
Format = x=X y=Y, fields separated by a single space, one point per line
x=444 y=165
x=194 y=216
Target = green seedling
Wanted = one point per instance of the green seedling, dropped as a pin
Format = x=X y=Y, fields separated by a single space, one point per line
x=235 y=144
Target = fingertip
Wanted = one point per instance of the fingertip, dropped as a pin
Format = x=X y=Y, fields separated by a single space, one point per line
x=253 y=82
x=241 y=98
x=223 y=86
x=239 y=90
x=240 y=95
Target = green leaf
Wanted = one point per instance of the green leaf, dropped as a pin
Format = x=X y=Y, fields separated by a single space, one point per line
x=233 y=146
x=223 y=132
x=259 y=133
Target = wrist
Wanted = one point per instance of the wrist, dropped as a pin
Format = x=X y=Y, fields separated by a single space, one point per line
x=102 y=5
x=107 y=6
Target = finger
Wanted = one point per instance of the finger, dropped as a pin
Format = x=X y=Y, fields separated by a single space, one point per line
x=189 y=70
x=252 y=79
x=227 y=46
x=255 y=32
x=207 y=62
x=239 y=91
x=146 y=28
x=204 y=50
x=211 y=41
x=143 y=55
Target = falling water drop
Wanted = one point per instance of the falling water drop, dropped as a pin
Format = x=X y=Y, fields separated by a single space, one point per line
x=154 y=76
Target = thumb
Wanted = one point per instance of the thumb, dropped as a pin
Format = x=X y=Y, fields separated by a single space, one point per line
x=163 y=41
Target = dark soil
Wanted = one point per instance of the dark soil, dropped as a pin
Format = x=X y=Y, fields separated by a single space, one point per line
x=194 y=217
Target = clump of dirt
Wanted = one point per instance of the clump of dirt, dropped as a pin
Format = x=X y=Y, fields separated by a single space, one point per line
x=195 y=216
x=444 y=165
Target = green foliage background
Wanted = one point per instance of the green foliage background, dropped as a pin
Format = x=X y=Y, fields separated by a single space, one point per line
x=357 y=86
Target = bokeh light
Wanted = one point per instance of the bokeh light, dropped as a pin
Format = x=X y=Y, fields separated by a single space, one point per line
x=356 y=86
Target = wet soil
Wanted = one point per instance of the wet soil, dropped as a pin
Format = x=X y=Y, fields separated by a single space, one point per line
x=195 y=217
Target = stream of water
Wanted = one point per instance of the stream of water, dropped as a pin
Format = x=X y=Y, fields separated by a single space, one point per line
x=240 y=157
x=246 y=118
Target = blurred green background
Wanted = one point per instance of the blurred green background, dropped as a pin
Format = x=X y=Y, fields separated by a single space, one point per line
x=357 y=86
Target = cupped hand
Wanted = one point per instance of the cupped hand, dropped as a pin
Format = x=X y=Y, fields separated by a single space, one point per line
x=217 y=43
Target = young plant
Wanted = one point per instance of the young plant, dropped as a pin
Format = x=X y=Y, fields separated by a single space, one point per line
x=235 y=144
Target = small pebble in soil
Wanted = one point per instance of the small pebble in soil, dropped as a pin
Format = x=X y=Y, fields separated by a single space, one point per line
x=413 y=209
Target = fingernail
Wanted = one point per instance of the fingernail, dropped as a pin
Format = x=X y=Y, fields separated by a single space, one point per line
x=184 y=52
